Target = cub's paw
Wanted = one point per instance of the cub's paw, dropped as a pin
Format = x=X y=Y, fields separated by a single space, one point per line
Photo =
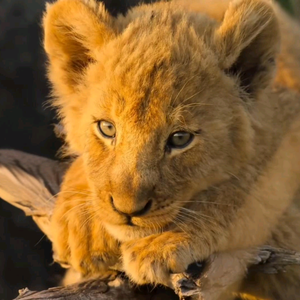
x=81 y=242
x=154 y=258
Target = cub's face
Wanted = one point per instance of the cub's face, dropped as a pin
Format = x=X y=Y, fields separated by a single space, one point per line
x=156 y=135
x=150 y=107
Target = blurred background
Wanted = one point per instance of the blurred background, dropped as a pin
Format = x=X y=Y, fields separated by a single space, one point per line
x=27 y=124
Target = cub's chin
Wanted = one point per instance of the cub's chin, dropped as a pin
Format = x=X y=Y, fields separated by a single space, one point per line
x=125 y=228
x=139 y=227
x=130 y=232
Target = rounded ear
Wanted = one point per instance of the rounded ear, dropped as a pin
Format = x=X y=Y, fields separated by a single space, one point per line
x=73 y=32
x=247 y=43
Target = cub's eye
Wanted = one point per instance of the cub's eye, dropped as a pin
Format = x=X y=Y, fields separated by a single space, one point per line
x=107 y=129
x=180 y=139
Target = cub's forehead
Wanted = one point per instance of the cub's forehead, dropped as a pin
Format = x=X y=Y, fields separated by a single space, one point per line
x=155 y=64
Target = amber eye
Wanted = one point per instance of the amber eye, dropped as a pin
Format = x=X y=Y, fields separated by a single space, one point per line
x=107 y=129
x=180 y=139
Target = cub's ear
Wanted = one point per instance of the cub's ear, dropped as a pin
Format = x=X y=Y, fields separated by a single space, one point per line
x=247 y=43
x=73 y=32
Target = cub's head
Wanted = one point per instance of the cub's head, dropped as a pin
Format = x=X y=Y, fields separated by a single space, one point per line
x=157 y=103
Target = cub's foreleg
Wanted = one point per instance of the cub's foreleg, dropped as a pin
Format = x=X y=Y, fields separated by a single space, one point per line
x=78 y=236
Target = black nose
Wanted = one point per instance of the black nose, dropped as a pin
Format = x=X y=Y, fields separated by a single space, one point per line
x=137 y=213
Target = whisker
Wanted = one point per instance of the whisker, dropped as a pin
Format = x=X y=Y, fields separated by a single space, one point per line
x=72 y=209
x=196 y=215
x=71 y=191
x=78 y=200
x=195 y=94
x=44 y=235
x=233 y=175
x=177 y=224
x=205 y=202
x=185 y=218
x=182 y=88
x=90 y=217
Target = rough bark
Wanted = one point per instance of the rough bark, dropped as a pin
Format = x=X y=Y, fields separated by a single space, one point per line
x=97 y=289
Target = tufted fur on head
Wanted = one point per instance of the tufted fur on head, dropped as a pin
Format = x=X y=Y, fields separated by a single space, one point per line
x=164 y=68
x=79 y=35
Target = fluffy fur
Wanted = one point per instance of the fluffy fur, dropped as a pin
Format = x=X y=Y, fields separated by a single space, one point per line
x=207 y=67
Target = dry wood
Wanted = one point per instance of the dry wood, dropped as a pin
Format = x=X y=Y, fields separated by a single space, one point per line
x=97 y=289
x=30 y=183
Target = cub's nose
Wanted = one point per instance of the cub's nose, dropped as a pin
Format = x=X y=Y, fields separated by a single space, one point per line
x=136 y=211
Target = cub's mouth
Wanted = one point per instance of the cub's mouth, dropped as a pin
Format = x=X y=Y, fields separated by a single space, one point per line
x=130 y=220
x=152 y=219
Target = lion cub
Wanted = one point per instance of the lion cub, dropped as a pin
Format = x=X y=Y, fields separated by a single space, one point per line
x=177 y=116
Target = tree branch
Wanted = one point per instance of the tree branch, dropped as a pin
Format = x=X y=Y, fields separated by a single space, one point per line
x=97 y=289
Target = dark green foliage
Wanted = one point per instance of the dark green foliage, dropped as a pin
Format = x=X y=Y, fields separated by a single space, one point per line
x=287 y=4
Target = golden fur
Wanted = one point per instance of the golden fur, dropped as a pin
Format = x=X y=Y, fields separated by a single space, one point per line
x=206 y=67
